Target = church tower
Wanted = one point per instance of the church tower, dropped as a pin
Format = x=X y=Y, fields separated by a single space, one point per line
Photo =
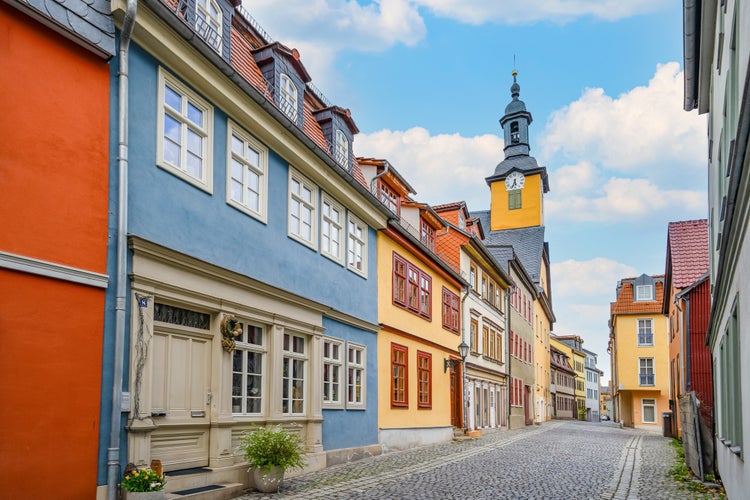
x=518 y=185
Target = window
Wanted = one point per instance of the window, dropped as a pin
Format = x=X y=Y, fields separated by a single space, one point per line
x=246 y=173
x=473 y=277
x=484 y=287
x=514 y=199
x=331 y=229
x=645 y=332
x=332 y=371
x=648 y=411
x=451 y=312
x=208 y=22
x=247 y=371
x=399 y=373
x=357 y=246
x=389 y=198
x=729 y=385
x=303 y=199
x=424 y=377
x=356 y=360
x=184 y=140
x=293 y=379
x=341 y=154
x=646 y=371
x=288 y=97
x=474 y=335
x=412 y=288
x=514 y=136
x=644 y=292
x=428 y=235
x=485 y=340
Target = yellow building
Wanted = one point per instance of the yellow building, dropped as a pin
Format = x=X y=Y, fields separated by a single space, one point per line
x=516 y=221
x=419 y=308
x=572 y=345
x=639 y=353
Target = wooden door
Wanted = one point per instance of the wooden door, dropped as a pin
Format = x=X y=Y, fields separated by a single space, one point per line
x=180 y=399
x=455 y=401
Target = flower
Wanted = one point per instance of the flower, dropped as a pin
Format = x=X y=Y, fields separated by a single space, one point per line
x=145 y=479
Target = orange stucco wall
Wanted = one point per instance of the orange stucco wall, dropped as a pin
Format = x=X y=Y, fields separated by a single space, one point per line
x=54 y=123
x=50 y=367
x=53 y=153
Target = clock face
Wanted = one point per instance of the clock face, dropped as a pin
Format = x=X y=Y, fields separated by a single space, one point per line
x=514 y=181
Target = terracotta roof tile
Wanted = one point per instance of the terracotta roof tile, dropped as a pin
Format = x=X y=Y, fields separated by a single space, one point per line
x=242 y=60
x=687 y=245
x=312 y=129
x=626 y=305
x=357 y=173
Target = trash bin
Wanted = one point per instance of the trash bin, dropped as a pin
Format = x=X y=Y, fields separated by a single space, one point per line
x=666 y=422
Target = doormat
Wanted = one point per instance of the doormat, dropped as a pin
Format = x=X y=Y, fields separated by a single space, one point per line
x=198 y=490
x=185 y=472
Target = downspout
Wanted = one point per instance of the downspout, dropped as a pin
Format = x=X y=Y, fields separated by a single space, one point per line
x=464 y=399
x=113 y=462
x=373 y=182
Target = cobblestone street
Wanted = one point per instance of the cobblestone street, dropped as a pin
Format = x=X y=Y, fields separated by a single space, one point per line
x=558 y=460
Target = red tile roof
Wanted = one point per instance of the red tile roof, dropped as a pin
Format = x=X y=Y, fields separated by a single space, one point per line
x=625 y=303
x=687 y=251
x=244 y=63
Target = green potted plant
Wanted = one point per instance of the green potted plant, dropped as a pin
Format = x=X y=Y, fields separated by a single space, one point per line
x=269 y=452
x=143 y=484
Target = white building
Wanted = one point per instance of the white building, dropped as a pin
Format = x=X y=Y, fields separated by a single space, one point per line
x=717 y=49
x=593 y=374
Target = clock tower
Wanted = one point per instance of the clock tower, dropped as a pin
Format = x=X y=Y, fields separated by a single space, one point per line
x=518 y=185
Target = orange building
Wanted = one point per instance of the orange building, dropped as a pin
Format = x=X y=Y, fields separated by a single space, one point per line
x=53 y=237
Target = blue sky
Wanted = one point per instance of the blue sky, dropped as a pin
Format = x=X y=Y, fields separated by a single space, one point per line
x=428 y=80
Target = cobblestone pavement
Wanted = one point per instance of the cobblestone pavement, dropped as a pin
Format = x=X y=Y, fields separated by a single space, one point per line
x=557 y=460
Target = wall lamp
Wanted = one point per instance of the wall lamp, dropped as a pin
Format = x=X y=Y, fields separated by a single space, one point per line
x=463 y=350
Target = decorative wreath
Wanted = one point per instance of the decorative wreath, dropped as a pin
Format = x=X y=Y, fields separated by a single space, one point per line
x=230 y=328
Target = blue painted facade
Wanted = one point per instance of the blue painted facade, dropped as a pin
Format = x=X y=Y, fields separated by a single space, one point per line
x=346 y=427
x=166 y=210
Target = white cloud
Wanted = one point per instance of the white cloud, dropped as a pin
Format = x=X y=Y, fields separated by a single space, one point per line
x=441 y=168
x=572 y=179
x=635 y=132
x=621 y=200
x=588 y=278
x=512 y=12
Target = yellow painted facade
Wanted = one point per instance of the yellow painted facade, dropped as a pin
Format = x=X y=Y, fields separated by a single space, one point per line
x=531 y=212
x=627 y=384
x=542 y=327
x=418 y=335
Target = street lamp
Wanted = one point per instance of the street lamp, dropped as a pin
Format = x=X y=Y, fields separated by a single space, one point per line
x=463 y=351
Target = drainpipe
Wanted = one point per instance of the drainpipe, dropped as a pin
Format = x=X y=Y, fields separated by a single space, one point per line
x=113 y=462
x=464 y=399
x=373 y=182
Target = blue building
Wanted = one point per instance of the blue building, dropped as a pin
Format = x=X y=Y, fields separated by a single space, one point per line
x=243 y=244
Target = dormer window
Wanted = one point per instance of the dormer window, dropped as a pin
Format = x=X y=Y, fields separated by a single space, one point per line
x=515 y=137
x=644 y=292
x=288 y=97
x=428 y=235
x=389 y=198
x=208 y=22
x=342 y=149
x=461 y=221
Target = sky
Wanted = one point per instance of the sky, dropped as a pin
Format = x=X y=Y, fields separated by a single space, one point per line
x=427 y=82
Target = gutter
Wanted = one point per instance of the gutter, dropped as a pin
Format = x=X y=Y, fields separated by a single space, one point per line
x=113 y=452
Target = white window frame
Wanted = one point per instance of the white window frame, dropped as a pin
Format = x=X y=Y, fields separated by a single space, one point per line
x=360 y=367
x=260 y=170
x=341 y=154
x=241 y=347
x=295 y=200
x=644 y=293
x=335 y=364
x=288 y=100
x=352 y=241
x=641 y=373
x=327 y=224
x=290 y=356
x=644 y=404
x=638 y=332
x=204 y=7
x=204 y=131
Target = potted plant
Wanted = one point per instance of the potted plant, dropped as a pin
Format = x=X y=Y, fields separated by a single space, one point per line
x=269 y=452
x=143 y=484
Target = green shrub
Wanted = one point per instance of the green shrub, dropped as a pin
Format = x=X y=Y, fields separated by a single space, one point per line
x=266 y=447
